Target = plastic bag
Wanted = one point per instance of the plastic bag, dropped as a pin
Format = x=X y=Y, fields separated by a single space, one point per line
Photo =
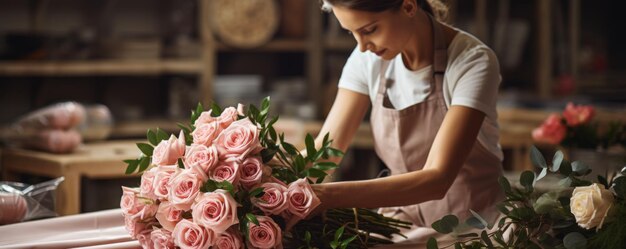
x=23 y=202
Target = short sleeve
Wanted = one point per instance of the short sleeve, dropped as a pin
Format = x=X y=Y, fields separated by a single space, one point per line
x=477 y=79
x=354 y=74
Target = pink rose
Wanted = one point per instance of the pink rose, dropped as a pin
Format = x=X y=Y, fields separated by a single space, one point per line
x=162 y=180
x=134 y=226
x=189 y=235
x=266 y=235
x=216 y=210
x=168 y=215
x=251 y=172
x=578 y=114
x=146 y=188
x=167 y=152
x=201 y=156
x=238 y=140
x=206 y=133
x=228 y=116
x=185 y=187
x=226 y=171
x=144 y=239
x=230 y=239
x=134 y=205
x=301 y=198
x=274 y=200
x=162 y=239
x=552 y=131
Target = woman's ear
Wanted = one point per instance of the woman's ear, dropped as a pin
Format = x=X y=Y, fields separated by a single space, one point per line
x=410 y=7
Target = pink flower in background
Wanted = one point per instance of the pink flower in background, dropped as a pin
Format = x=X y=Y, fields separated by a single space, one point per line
x=578 y=114
x=552 y=131
x=162 y=239
x=216 y=210
x=226 y=171
x=185 y=187
x=189 y=235
x=206 y=133
x=201 y=156
x=167 y=152
x=251 y=172
x=266 y=235
x=168 y=215
x=274 y=200
x=162 y=178
x=301 y=198
x=146 y=188
x=239 y=140
x=230 y=239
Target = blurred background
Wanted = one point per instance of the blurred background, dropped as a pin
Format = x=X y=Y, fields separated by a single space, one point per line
x=148 y=62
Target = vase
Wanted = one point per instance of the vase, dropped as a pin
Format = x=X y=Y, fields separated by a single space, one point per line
x=603 y=163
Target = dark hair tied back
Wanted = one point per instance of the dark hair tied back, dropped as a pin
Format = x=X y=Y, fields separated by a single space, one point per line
x=434 y=7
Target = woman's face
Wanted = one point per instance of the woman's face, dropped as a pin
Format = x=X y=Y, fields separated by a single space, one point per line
x=382 y=33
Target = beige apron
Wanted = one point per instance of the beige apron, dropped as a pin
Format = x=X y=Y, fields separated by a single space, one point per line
x=403 y=139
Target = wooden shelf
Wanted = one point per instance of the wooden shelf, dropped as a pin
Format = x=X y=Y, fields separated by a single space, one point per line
x=340 y=44
x=100 y=67
x=140 y=127
x=277 y=45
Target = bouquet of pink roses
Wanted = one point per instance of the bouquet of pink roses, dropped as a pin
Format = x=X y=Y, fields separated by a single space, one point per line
x=214 y=186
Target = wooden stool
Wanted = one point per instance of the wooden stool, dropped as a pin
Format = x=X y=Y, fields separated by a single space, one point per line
x=98 y=160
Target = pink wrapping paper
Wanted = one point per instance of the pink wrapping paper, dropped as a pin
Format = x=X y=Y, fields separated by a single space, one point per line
x=103 y=229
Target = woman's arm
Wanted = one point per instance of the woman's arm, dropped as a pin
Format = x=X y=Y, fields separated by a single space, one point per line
x=343 y=120
x=452 y=145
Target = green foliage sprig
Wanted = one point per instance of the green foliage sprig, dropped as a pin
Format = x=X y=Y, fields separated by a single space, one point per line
x=535 y=219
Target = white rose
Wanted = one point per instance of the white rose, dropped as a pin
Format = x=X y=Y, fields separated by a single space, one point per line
x=590 y=205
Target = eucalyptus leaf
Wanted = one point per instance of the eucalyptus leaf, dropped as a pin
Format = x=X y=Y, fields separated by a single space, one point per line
x=556 y=161
x=486 y=239
x=546 y=203
x=504 y=183
x=432 y=243
x=446 y=224
x=574 y=240
x=480 y=218
x=579 y=167
x=527 y=179
x=619 y=186
x=542 y=174
x=475 y=223
x=537 y=158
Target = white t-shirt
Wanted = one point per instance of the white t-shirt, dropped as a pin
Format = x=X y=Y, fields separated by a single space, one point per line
x=471 y=79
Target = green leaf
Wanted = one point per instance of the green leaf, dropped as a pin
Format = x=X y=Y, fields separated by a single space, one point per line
x=267 y=155
x=310 y=146
x=152 y=137
x=145 y=148
x=325 y=166
x=504 y=183
x=313 y=172
x=289 y=148
x=307 y=238
x=486 y=239
x=432 y=243
x=216 y=110
x=132 y=166
x=556 y=161
x=579 y=167
x=161 y=135
x=502 y=208
x=272 y=132
x=346 y=242
x=474 y=222
x=565 y=182
x=144 y=163
x=265 y=105
x=537 y=158
x=480 y=218
x=446 y=224
x=542 y=174
x=602 y=180
x=325 y=139
x=339 y=232
x=209 y=186
x=257 y=192
x=334 y=152
x=250 y=217
x=180 y=163
x=619 y=185
x=527 y=179
x=299 y=164
x=574 y=240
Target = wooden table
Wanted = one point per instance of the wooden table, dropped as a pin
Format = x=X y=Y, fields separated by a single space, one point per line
x=97 y=160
